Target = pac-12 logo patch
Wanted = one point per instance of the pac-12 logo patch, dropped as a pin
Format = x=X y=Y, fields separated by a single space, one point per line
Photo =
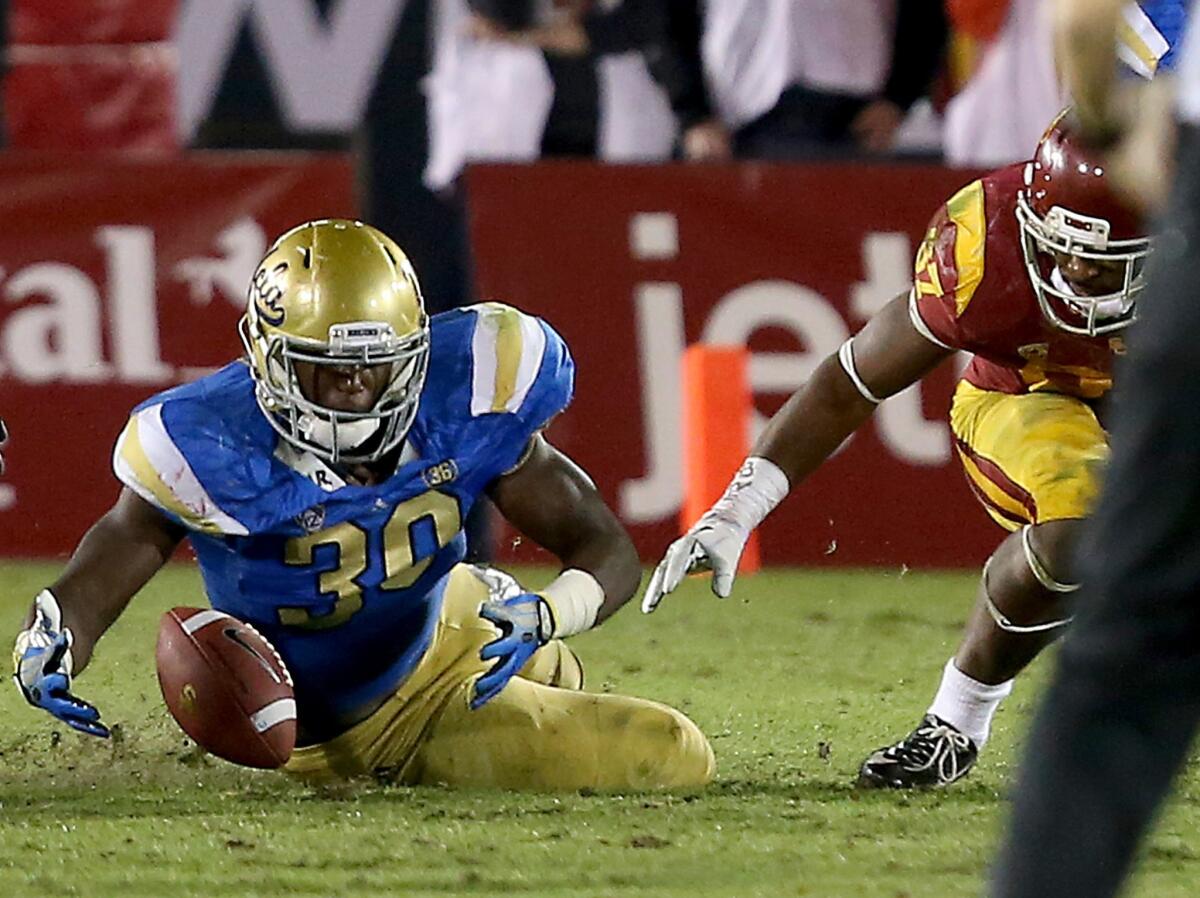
x=311 y=519
x=440 y=474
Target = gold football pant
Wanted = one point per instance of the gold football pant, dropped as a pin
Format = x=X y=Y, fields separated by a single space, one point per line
x=539 y=733
x=1030 y=458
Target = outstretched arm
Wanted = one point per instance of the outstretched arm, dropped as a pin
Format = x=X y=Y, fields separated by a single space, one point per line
x=886 y=356
x=113 y=561
x=115 y=558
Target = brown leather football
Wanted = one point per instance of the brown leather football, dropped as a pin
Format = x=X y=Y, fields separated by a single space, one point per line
x=226 y=686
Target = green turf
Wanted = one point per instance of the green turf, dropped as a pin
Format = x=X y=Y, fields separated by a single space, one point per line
x=794 y=681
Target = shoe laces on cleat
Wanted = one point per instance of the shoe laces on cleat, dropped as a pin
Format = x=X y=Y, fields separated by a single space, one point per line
x=935 y=747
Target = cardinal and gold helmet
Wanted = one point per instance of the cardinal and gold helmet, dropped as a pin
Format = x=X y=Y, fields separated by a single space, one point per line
x=1068 y=208
x=336 y=293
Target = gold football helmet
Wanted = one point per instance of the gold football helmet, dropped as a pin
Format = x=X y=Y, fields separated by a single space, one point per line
x=338 y=293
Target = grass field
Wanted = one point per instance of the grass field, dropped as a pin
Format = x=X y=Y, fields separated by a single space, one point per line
x=794 y=681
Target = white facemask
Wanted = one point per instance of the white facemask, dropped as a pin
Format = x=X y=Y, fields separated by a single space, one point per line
x=1106 y=308
x=351 y=434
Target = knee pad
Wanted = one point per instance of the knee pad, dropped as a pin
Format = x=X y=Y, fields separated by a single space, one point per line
x=1040 y=570
x=1043 y=576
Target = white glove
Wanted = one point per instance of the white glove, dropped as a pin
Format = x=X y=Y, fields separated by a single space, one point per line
x=716 y=541
x=713 y=544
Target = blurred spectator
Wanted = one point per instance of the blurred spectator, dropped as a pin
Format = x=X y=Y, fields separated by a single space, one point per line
x=1015 y=89
x=666 y=32
x=676 y=62
x=823 y=77
x=83 y=76
x=514 y=80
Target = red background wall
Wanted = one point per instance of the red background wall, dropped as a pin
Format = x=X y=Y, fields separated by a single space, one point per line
x=794 y=258
x=120 y=278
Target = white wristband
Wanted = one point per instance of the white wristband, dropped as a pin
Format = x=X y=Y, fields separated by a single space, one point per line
x=757 y=487
x=574 y=599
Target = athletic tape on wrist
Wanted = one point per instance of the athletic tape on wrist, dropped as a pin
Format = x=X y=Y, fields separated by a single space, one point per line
x=574 y=598
x=757 y=487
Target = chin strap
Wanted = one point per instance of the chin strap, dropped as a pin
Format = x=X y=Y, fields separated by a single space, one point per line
x=343 y=436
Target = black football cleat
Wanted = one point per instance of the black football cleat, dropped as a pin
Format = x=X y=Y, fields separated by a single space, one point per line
x=934 y=754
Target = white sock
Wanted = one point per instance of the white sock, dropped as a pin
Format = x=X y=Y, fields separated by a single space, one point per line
x=967 y=704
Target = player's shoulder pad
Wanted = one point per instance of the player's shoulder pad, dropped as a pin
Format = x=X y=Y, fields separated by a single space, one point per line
x=199 y=455
x=519 y=365
x=951 y=260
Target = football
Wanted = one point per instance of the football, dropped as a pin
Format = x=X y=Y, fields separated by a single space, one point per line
x=226 y=686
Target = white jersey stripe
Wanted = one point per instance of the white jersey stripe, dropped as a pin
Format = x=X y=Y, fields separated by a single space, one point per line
x=1140 y=45
x=149 y=462
x=506 y=354
x=533 y=347
x=483 y=361
x=919 y=323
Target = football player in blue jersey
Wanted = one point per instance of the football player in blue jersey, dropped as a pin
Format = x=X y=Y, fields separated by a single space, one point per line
x=323 y=481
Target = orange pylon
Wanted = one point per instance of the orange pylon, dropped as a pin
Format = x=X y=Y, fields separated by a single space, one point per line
x=716 y=431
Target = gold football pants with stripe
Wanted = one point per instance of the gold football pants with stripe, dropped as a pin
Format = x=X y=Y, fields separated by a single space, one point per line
x=539 y=733
x=1030 y=458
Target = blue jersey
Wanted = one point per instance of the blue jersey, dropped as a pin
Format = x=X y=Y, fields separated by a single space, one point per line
x=1151 y=34
x=346 y=580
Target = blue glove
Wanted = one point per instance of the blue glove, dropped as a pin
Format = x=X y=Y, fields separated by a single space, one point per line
x=526 y=624
x=42 y=658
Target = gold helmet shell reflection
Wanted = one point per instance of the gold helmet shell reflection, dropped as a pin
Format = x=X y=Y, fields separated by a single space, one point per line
x=336 y=292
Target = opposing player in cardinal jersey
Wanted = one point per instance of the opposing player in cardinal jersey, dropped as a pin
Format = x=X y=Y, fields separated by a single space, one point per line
x=323 y=482
x=1034 y=270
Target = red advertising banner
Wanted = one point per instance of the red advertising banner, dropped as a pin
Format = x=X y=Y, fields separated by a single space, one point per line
x=632 y=264
x=120 y=278
x=92 y=76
